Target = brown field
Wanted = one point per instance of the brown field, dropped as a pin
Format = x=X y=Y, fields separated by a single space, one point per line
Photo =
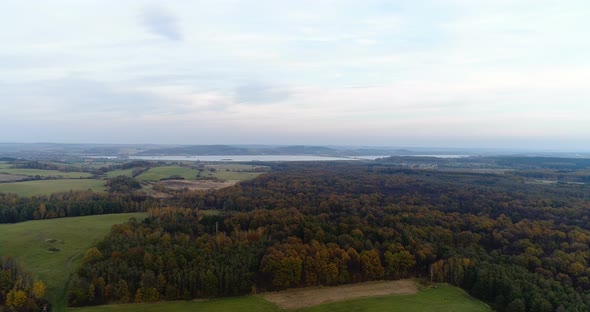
x=312 y=296
x=197 y=185
x=10 y=177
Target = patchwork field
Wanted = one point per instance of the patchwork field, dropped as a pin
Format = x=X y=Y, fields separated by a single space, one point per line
x=46 y=187
x=52 y=249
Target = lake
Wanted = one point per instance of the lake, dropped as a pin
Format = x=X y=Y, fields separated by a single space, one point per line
x=244 y=158
x=235 y=158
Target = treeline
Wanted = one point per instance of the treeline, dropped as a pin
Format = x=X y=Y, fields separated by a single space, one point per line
x=518 y=246
x=14 y=208
x=139 y=166
x=19 y=291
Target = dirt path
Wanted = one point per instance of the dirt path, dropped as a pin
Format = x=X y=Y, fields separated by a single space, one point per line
x=307 y=297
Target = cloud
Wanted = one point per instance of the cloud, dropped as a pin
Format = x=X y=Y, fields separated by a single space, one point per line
x=75 y=98
x=161 y=23
x=257 y=93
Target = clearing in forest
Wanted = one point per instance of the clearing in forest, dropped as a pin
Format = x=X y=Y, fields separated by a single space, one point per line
x=312 y=296
x=197 y=185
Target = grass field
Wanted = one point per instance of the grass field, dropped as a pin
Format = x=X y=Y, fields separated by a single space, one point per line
x=443 y=298
x=46 y=173
x=239 y=304
x=46 y=187
x=11 y=177
x=164 y=172
x=121 y=172
x=30 y=241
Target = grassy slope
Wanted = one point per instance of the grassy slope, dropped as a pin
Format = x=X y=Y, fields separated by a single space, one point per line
x=30 y=188
x=120 y=172
x=46 y=173
x=443 y=298
x=28 y=242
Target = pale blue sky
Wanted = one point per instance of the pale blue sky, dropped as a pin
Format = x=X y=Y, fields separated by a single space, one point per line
x=454 y=73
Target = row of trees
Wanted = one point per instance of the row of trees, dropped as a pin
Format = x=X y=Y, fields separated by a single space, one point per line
x=14 y=208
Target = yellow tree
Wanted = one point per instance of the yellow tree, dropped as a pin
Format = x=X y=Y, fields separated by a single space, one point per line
x=39 y=290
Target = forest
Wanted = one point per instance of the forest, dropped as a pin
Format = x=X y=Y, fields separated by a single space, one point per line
x=516 y=245
x=19 y=291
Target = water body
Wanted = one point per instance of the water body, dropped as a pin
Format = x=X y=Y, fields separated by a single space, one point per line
x=244 y=158
x=228 y=158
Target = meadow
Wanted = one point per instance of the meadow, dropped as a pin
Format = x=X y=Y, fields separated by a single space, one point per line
x=165 y=172
x=46 y=173
x=238 y=304
x=119 y=172
x=52 y=248
x=440 y=298
x=46 y=187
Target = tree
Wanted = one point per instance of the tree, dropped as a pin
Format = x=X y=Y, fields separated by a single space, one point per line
x=399 y=263
x=16 y=299
x=39 y=290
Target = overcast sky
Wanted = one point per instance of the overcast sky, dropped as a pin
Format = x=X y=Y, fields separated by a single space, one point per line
x=453 y=73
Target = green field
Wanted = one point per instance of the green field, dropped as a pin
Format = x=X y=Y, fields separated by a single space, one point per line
x=46 y=187
x=30 y=241
x=159 y=173
x=443 y=298
x=120 y=172
x=238 y=167
x=46 y=173
x=239 y=304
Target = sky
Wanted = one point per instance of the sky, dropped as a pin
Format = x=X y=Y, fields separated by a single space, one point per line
x=440 y=73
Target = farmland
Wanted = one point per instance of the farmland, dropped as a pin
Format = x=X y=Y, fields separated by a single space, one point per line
x=46 y=173
x=52 y=249
x=34 y=182
x=46 y=187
